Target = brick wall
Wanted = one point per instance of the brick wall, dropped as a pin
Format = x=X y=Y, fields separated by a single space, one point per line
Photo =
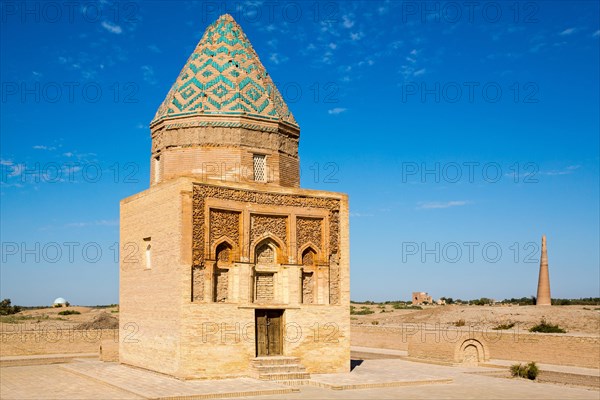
x=14 y=342
x=150 y=301
x=226 y=165
x=198 y=339
x=225 y=153
x=378 y=337
x=445 y=344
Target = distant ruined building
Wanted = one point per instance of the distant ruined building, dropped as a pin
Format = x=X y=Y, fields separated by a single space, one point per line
x=420 y=298
x=228 y=268
x=543 y=289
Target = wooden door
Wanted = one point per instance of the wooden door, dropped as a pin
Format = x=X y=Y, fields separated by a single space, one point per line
x=268 y=333
x=261 y=333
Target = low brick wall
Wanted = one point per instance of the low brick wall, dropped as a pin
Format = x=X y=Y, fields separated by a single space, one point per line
x=109 y=350
x=565 y=378
x=53 y=341
x=450 y=344
x=377 y=336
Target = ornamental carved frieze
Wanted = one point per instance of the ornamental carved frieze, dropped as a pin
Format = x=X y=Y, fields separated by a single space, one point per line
x=262 y=225
x=201 y=192
x=157 y=142
x=309 y=230
x=224 y=223
x=334 y=231
x=334 y=281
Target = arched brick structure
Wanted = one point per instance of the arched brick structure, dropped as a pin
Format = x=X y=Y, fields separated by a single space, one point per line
x=470 y=352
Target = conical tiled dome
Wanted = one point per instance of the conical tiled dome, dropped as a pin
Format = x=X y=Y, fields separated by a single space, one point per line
x=225 y=76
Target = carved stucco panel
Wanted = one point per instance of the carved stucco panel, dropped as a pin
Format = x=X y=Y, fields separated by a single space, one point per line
x=309 y=230
x=201 y=192
x=261 y=225
x=224 y=223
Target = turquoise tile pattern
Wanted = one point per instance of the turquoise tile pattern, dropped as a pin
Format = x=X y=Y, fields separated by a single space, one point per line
x=224 y=76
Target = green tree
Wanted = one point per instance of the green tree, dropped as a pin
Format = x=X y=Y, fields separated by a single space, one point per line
x=6 y=307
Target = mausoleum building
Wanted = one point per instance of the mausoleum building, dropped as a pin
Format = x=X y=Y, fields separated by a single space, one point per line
x=227 y=265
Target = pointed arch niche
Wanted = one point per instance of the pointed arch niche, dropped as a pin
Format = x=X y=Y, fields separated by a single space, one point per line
x=266 y=272
x=308 y=275
x=224 y=256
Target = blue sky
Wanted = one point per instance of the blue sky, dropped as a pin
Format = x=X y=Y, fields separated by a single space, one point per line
x=461 y=133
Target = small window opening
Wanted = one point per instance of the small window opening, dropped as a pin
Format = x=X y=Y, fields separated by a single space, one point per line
x=156 y=169
x=148 y=253
x=260 y=168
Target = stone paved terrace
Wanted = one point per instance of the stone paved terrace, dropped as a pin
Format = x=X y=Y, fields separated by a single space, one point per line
x=85 y=379
x=383 y=373
x=147 y=384
x=467 y=383
x=50 y=382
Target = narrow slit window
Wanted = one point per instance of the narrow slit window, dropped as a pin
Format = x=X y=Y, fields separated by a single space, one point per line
x=156 y=169
x=148 y=264
x=260 y=168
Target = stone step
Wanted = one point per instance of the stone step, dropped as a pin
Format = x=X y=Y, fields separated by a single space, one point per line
x=275 y=360
x=269 y=369
x=279 y=368
x=295 y=382
x=284 y=376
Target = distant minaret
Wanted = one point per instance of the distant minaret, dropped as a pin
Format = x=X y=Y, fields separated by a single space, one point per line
x=543 y=292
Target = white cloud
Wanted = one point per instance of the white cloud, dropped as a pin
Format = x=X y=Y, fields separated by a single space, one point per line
x=597 y=33
x=148 y=74
x=41 y=147
x=396 y=44
x=356 y=36
x=358 y=214
x=277 y=58
x=337 y=110
x=413 y=67
x=311 y=47
x=327 y=57
x=154 y=48
x=565 y=171
x=15 y=169
x=438 y=204
x=368 y=62
x=102 y=222
x=332 y=46
x=112 y=28
x=347 y=22
x=537 y=47
x=567 y=31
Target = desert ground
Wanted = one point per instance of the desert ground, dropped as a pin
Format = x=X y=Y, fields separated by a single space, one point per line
x=574 y=319
x=88 y=318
